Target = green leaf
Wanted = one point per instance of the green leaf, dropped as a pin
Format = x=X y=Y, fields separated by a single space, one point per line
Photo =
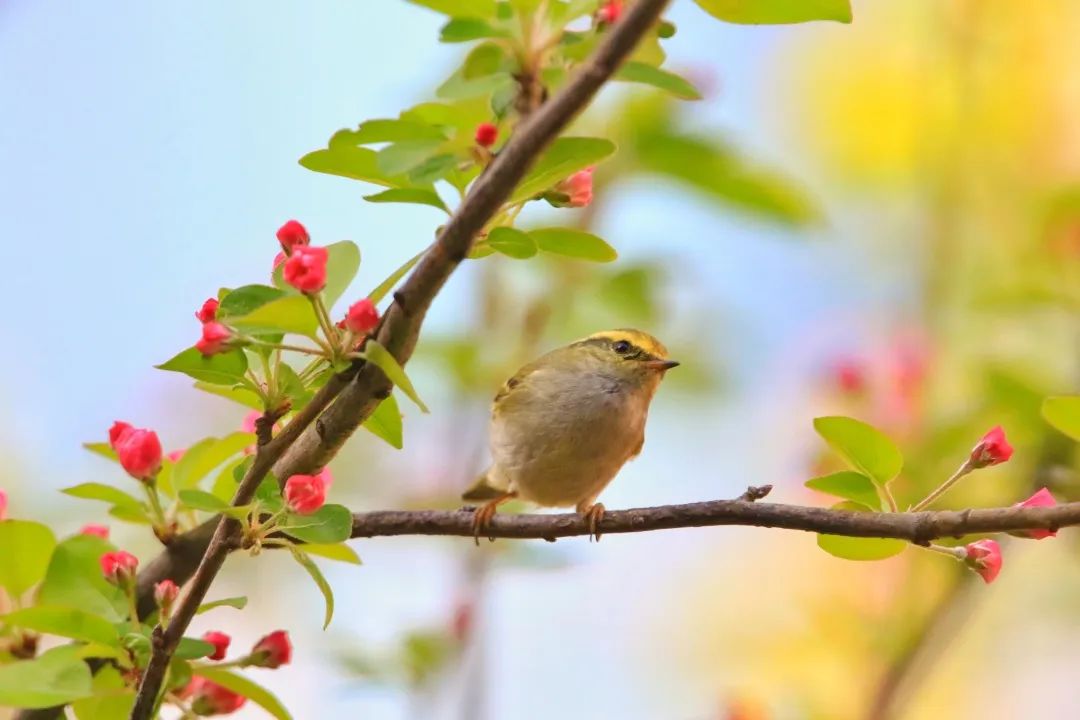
x=130 y=513
x=388 y=284
x=563 y=158
x=573 y=243
x=865 y=447
x=355 y=163
x=415 y=196
x=460 y=8
x=105 y=493
x=74 y=579
x=246 y=299
x=317 y=576
x=460 y=87
x=401 y=157
x=202 y=457
x=111 y=700
x=25 y=549
x=341 y=267
x=328 y=525
x=512 y=242
x=639 y=72
x=234 y=602
x=467 y=29
x=241 y=685
x=225 y=368
x=56 y=678
x=202 y=500
x=1064 y=414
x=236 y=393
x=381 y=357
x=192 y=648
x=385 y=422
x=338 y=551
x=290 y=314
x=857 y=548
x=386 y=130
x=848 y=485
x=103 y=449
x=777 y=12
x=433 y=169
x=66 y=622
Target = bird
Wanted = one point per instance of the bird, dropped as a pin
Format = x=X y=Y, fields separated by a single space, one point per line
x=564 y=425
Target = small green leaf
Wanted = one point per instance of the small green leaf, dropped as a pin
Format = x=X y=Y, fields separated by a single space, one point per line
x=400 y=157
x=460 y=87
x=74 y=579
x=512 y=242
x=225 y=368
x=1063 y=413
x=130 y=513
x=460 y=8
x=103 y=449
x=388 y=284
x=341 y=267
x=564 y=157
x=385 y=422
x=849 y=485
x=192 y=648
x=386 y=130
x=290 y=314
x=236 y=393
x=339 y=551
x=26 y=549
x=56 y=678
x=328 y=525
x=467 y=29
x=858 y=548
x=639 y=72
x=111 y=700
x=415 y=196
x=66 y=622
x=317 y=576
x=234 y=602
x=202 y=457
x=242 y=686
x=381 y=357
x=246 y=299
x=865 y=447
x=434 y=168
x=105 y=493
x=202 y=500
x=573 y=243
x=355 y=163
x=777 y=12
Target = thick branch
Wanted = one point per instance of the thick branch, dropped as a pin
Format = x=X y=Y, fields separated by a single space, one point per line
x=920 y=527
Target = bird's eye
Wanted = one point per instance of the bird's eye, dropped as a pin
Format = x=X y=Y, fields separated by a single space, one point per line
x=622 y=347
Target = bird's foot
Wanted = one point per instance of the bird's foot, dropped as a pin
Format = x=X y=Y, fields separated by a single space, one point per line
x=593 y=515
x=483 y=514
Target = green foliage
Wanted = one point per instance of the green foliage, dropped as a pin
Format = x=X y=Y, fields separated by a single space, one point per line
x=246 y=299
x=466 y=29
x=105 y=493
x=573 y=243
x=74 y=579
x=381 y=357
x=234 y=602
x=55 y=678
x=193 y=648
x=237 y=393
x=772 y=12
x=512 y=242
x=856 y=548
x=849 y=485
x=111 y=700
x=328 y=525
x=394 y=278
x=27 y=547
x=225 y=368
x=1064 y=414
x=865 y=447
x=385 y=422
x=415 y=196
x=324 y=587
x=289 y=314
x=243 y=686
x=338 y=551
x=639 y=72
x=206 y=455
x=564 y=157
x=66 y=622
x=460 y=8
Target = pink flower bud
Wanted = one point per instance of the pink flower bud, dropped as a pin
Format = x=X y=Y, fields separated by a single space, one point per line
x=220 y=641
x=208 y=311
x=305 y=494
x=3 y=504
x=305 y=269
x=984 y=557
x=610 y=12
x=1043 y=498
x=101 y=531
x=140 y=454
x=119 y=567
x=486 y=134
x=850 y=377
x=175 y=455
x=272 y=651
x=326 y=476
x=209 y=698
x=362 y=317
x=165 y=594
x=292 y=234
x=992 y=449
x=117 y=431
x=215 y=338
x=578 y=189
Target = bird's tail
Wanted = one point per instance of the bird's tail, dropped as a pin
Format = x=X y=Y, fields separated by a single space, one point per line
x=482 y=488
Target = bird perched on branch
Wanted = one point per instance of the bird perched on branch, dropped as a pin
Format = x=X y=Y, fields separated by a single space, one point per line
x=564 y=425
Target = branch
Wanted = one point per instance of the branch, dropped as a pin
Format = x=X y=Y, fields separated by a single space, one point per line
x=919 y=528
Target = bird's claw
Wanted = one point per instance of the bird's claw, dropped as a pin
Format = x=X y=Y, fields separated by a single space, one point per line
x=593 y=517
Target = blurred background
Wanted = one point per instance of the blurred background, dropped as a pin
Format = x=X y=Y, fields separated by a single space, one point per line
x=880 y=219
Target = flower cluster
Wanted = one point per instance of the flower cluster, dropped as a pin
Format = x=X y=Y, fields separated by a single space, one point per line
x=209 y=698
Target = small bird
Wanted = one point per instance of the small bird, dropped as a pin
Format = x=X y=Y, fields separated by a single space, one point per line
x=563 y=426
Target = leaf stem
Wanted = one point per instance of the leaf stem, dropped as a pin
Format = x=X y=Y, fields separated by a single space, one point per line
x=293 y=348
x=944 y=487
x=893 y=507
x=155 y=506
x=324 y=319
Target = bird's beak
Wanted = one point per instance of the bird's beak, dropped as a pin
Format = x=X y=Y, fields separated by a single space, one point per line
x=661 y=365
